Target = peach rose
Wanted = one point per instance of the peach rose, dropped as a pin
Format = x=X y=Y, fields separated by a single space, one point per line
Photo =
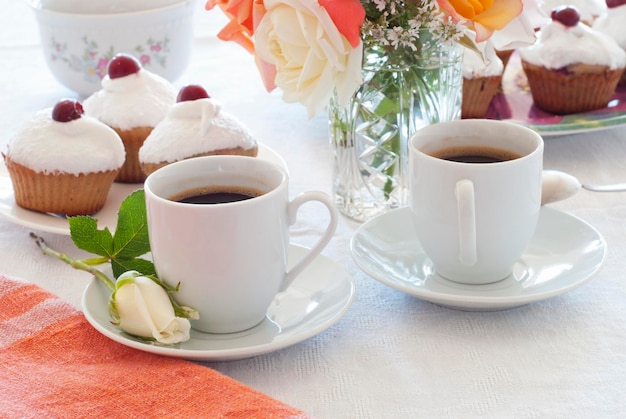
x=308 y=52
x=241 y=15
x=486 y=16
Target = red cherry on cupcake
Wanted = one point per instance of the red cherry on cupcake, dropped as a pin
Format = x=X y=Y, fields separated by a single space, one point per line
x=614 y=3
x=67 y=110
x=566 y=15
x=123 y=65
x=191 y=92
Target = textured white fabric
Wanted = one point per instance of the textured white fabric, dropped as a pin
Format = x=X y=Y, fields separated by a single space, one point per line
x=391 y=355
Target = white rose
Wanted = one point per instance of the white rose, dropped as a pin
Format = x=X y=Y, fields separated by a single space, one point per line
x=145 y=310
x=310 y=55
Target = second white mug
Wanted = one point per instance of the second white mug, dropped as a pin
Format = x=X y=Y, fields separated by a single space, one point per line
x=475 y=196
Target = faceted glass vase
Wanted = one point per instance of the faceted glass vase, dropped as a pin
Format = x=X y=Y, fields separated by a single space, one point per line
x=403 y=90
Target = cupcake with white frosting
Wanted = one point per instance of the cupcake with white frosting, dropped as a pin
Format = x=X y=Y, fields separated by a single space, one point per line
x=482 y=77
x=572 y=68
x=132 y=101
x=195 y=126
x=612 y=24
x=63 y=161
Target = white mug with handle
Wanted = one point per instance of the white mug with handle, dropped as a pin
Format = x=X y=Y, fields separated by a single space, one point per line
x=475 y=196
x=230 y=258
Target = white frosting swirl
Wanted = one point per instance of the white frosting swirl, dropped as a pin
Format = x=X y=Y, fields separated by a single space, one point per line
x=612 y=24
x=84 y=145
x=137 y=100
x=558 y=46
x=191 y=128
x=475 y=66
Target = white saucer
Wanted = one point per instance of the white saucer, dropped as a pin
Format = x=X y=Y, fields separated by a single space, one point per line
x=107 y=216
x=564 y=254
x=316 y=300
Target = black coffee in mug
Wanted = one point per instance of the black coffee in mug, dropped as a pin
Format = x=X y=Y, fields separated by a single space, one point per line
x=475 y=154
x=216 y=195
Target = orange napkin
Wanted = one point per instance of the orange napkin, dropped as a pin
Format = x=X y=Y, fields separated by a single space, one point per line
x=54 y=364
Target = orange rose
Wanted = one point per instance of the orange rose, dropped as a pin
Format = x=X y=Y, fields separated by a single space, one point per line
x=348 y=16
x=486 y=16
x=242 y=15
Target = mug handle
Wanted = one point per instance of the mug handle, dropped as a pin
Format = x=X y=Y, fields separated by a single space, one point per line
x=292 y=212
x=467 y=222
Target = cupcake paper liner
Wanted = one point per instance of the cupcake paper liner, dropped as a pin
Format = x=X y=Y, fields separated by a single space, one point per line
x=59 y=193
x=561 y=93
x=477 y=95
x=133 y=139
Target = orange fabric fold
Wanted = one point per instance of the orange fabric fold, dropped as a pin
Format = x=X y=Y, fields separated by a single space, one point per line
x=54 y=364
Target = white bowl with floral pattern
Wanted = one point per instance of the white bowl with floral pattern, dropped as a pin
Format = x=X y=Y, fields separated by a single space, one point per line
x=78 y=46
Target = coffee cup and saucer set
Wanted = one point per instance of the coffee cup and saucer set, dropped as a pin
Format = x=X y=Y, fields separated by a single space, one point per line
x=256 y=291
x=475 y=235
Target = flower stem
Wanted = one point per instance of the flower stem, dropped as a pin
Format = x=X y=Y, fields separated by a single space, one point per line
x=74 y=263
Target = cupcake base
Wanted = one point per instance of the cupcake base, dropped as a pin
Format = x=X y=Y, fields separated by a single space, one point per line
x=59 y=193
x=133 y=139
x=477 y=95
x=149 y=168
x=577 y=88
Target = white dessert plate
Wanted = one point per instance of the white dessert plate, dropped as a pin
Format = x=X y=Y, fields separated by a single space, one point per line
x=107 y=216
x=316 y=300
x=564 y=254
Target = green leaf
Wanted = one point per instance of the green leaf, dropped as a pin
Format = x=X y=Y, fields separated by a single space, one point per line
x=85 y=234
x=131 y=234
x=124 y=247
x=121 y=265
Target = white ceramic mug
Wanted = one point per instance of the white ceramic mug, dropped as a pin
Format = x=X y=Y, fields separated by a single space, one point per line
x=474 y=220
x=229 y=258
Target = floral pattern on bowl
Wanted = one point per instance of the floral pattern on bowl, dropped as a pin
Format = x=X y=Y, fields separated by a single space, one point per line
x=93 y=61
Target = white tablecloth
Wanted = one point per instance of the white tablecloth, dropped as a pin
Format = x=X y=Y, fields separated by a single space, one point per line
x=391 y=355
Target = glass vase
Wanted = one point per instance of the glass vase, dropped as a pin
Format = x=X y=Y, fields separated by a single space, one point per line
x=403 y=90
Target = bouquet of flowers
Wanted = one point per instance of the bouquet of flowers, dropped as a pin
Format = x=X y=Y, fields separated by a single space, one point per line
x=312 y=49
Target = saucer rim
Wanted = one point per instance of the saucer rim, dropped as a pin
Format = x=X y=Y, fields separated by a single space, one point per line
x=461 y=300
x=280 y=340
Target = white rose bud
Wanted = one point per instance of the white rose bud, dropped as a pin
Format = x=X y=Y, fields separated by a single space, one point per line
x=144 y=309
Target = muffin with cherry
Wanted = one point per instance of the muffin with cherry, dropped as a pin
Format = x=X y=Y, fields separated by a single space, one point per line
x=63 y=161
x=571 y=67
x=132 y=101
x=196 y=125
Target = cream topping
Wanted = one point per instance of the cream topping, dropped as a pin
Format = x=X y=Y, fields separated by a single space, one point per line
x=612 y=24
x=191 y=128
x=558 y=46
x=84 y=145
x=137 y=100
x=475 y=66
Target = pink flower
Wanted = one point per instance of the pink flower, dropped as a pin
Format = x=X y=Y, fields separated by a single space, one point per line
x=101 y=67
